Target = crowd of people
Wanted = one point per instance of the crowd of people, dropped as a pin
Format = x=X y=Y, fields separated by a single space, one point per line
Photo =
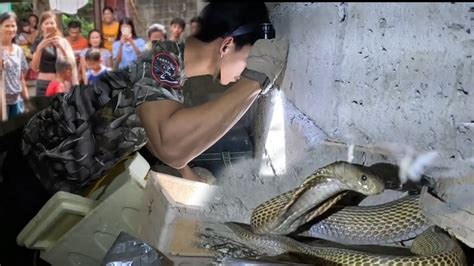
x=34 y=48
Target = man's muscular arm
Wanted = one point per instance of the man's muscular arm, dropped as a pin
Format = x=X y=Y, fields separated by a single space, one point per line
x=178 y=134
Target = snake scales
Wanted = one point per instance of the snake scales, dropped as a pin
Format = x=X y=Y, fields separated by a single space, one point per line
x=382 y=224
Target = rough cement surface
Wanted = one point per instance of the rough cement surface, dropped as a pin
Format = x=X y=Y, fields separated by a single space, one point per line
x=384 y=72
x=249 y=183
x=147 y=12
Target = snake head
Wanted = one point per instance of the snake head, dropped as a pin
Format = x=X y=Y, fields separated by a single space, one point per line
x=358 y=178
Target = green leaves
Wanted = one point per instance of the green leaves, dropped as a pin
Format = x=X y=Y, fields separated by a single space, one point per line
x=87 y=24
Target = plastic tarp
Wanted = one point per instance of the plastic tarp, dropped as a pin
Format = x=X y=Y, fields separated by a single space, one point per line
x=128 y=250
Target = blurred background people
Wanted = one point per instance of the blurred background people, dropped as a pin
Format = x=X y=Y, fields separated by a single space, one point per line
x=195 y=23
x=24 y=38
x=110 y=27
x=177 y=26
x=155 y=32
x=62 y=82
x=95 y=41
x=95 y=68
x=75 y=39
x=33 y=20
x=128 y=47
x=77 y=42
x=13 y=66
x=46 y=51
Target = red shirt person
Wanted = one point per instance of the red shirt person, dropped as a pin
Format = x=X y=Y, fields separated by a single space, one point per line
x=62 y=83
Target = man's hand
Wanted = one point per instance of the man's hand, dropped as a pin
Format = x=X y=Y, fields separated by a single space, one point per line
x=269 y=57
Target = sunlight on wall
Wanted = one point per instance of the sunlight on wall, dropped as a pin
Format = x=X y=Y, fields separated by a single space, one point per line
x=274 y=158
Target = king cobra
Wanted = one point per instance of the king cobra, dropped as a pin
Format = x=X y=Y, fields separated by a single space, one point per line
x=387 y=223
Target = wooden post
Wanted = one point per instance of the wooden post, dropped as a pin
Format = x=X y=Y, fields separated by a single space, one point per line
x=98 y=14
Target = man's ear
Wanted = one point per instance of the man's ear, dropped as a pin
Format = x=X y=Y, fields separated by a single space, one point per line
x=226 y=43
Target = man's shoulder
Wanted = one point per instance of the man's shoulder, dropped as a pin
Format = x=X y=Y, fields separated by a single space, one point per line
x=83 y=41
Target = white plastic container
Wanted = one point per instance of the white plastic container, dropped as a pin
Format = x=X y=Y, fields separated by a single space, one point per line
x=73 y=230
x=170 y=220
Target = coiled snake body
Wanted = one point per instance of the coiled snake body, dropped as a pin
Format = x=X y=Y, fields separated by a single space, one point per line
x=383 y=224
x=392 y=222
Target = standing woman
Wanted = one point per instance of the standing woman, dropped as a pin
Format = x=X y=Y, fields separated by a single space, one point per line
x=95 y=41
x=46 y=50
x=128 y=47
x=15 y=66
x=110 y=27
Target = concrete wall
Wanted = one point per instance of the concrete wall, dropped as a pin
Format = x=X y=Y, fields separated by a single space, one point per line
x=382 y=76
x=375 y=73
x=163 y=11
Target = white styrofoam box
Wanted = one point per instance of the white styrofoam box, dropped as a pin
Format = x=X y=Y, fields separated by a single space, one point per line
x=170 y=217
x=56 y=217
x=87 y=242
x=135 y=169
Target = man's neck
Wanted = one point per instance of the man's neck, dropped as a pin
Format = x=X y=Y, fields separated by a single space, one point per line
x=73 y=39
x=199 y=57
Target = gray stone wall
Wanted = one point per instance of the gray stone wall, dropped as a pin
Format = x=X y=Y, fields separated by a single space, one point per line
x=378 y=73
x=163 y=11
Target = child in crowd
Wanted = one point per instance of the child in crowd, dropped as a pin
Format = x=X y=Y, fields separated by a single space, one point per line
x=63 y=81
x=95 y=68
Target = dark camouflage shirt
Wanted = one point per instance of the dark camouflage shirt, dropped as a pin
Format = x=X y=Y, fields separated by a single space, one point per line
x=85 y=132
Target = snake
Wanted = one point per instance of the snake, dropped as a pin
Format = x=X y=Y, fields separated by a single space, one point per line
x=387 y=223
x=393 y=222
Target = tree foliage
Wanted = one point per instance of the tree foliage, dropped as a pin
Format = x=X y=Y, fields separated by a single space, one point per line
x=22 y=9
x=86 y=24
